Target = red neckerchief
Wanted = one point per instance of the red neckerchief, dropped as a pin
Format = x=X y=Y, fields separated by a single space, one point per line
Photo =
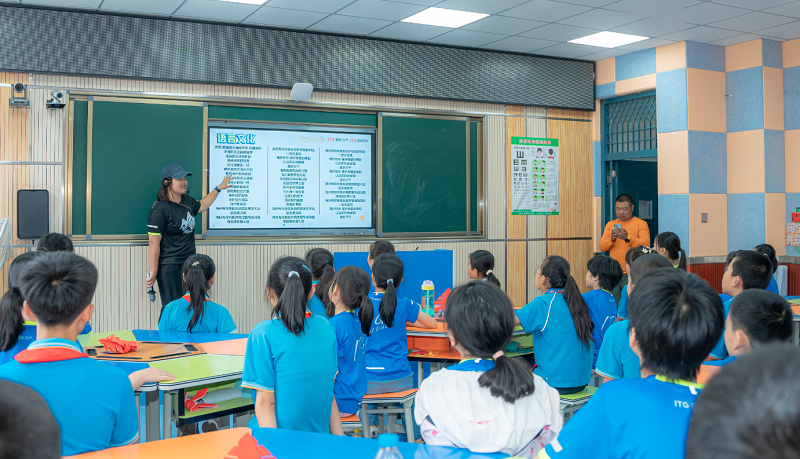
x=54 y=353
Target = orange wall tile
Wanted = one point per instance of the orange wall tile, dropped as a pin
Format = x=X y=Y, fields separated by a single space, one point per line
x=745 y=162
x=708 y=239
x=743 y=56
x=705 y=97
x=773 y=98
x=638 y=84
x=673 y=162
x=671 y=57
x=775 y=220
x=792 y=160
x=605 y=71
x=791 y=53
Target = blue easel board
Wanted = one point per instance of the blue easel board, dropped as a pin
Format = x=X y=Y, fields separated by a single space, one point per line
x=418 y=266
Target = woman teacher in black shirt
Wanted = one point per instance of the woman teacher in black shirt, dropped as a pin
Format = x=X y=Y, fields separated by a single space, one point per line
x=170 y=228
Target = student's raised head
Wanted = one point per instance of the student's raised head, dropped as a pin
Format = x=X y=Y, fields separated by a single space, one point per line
x=603 y=272
x=668 y=244
x=676 y=319
x=768 y=251
x=554 y=273
x=632 y=254
x=645 y=263
x=289 y=287
x=199 y=273
x=387 y=274
x=58 y=288
x=481 y=266
x=756 y=318
x=11 y=320
x=750 y=410
x=28 y=429
x=480 y=321
x=320 y=262
x=55 y=242
x=748 y=269
x=350 y=288
x=377 y=249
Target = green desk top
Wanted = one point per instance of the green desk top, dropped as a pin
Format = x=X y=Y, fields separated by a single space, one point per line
x=93 y=339
x=200 y=369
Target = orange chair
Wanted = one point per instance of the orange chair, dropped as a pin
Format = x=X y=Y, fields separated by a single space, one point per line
x=350 y=424
x=387 y=404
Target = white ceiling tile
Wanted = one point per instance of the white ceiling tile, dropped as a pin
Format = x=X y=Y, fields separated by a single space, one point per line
x=602 y=19
x=735 y=40
x=545 y=10
x=469 y=38
x=569 y=50
x=704 y=13
x=789 y=9
x=787 y=31
x=79 y=4
x=646 y=44
x=592 y=3
x=519 y=44
x=379 y=9
x=650 y=7
x=160 y=7
x=703 y=34
x=349 y=25
x=752 y=21
x=752 y=4
x=606 y=54
x=503 y=24
x=215 y=11
x=319 y=6
x=652 y=27
x=422 y=2
x=480 y=6
x=281 y=17
x=410 y=32
x=558 y=32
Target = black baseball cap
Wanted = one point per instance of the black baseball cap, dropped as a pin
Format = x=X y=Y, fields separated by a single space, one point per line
x=174 y=171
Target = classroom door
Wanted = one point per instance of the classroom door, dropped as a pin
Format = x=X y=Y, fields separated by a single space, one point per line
x=639 y=179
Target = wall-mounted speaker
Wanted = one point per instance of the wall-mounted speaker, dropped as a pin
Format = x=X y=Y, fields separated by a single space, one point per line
x=33 y=214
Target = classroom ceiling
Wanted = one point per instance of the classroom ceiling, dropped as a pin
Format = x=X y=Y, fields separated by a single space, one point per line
x=541 y=27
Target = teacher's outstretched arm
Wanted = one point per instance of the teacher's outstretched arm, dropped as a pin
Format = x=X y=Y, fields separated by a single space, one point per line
x=209 y=199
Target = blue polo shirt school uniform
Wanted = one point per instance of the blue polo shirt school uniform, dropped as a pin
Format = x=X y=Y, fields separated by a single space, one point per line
x=215 y=319
x=773 y=286
x=630 y=418
x=351 y=380
x=603 y=310
x=561 y=358
x=316 y=306
x=24 y=340
x=616 y=359
x=299 y=370
x=720 y=351
x=622 y=311
x=92 y=401
x=387 y=347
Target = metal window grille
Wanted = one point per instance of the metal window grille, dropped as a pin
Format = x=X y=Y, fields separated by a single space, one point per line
x=630 y=124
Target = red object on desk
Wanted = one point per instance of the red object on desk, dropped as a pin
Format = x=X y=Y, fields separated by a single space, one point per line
x=248 y=448
x=191 y=402
x=114 y=345
x=441 y=301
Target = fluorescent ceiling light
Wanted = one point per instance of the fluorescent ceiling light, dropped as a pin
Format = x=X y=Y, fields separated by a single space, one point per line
x=608 y=39
x=249 y=2
x=444 y=17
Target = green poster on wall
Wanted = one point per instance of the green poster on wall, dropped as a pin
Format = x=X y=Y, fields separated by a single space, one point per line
x=534 y=176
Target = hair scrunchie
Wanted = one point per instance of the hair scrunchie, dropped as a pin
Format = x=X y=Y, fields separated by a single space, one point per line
x=293 y=273
x=498 y=354
x=389 y=281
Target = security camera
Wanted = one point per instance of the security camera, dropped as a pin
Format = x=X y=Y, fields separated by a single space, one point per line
x=56 y=100
x=15 y=101
x=19 y=87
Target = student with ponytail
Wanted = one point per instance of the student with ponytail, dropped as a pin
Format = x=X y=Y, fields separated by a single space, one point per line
x=520 y=407
x=320 y=262
x=377 y=249
x=769 y=252
x=668 y=244
x=349 y=292
x=195 y=312
x=481 y=266
x=562 y=327
x=290 y=362
x=16 y=332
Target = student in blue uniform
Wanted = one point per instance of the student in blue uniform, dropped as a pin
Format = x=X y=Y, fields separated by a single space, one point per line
x=58 y=288
x=28 y=429
x=668 y=244
x=388 y=369
x=748 y=269
x=675 y=320
x=377 y=249
x=290 y=361
x=769 y=252
x=617 y=360
x=630 y=256
x=603 y=273
x=17 y=332
x=351 y=314
x=195 y=312
x=320 y=263
x=481 y=266
x=728 y=261
x=757 y=318
x=57 y=242
x=561 y=325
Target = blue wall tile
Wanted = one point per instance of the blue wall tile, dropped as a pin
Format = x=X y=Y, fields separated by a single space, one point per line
x=708 y=162
x=604 y=91
x=705 y=56
x=597 y=161
x=673 y=215
x=791 y=98
x=745 y=107
x=774 y=161
x=671 y=101
x=771 y=53
x=746 y=226
x=635 y=64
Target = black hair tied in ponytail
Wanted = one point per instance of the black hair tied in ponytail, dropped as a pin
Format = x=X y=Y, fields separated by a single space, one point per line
x=483 y=262
x=290 y=279
x=12 y=324
x=320 y=262
x=198 y=270
x=353 y=284
x=672 y=243
x=481 y=320
x=556 y=270
x=387 y=270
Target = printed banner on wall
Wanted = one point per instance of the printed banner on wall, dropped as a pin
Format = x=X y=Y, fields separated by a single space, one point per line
x=534 y=176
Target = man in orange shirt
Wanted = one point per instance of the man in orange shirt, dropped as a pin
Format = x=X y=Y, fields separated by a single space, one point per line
x=622 y=234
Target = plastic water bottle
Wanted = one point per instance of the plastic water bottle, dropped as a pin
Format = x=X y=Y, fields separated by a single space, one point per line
x=388 y=447
x=428 y=298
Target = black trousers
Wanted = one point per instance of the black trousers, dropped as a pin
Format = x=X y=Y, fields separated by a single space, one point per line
x=170 y=284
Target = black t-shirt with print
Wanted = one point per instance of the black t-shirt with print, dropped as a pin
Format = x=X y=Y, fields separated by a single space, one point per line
x=175 y=224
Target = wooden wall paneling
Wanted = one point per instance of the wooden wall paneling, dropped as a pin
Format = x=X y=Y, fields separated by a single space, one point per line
x=537 y=224
x=496 y=172
x=577 y=254
x=516 y=227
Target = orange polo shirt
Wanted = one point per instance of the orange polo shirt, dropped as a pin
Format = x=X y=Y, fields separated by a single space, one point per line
x=638 y=234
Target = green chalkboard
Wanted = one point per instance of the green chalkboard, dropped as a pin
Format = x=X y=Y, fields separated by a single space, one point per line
x=79 y=135
x=424 y=172
x=279 y=115
x=131 y=143
x=473 y=175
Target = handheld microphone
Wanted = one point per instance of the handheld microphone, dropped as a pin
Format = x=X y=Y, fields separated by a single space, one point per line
x=151 y=292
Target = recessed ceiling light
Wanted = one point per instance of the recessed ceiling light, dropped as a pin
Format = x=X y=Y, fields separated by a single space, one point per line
x=444 y=17
x=608 y=39
x=249 y=2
